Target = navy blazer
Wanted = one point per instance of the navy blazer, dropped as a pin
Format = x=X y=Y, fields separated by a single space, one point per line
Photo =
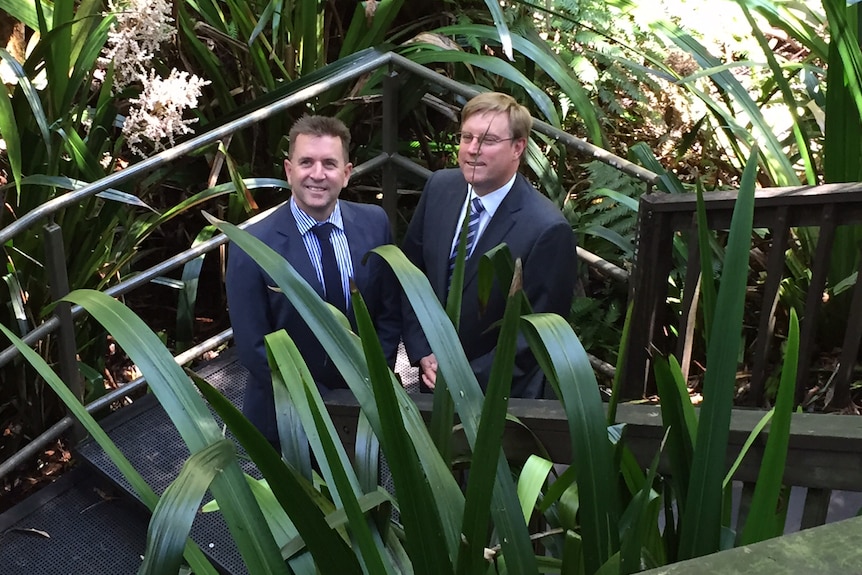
x=535 y=231
x=258 y=308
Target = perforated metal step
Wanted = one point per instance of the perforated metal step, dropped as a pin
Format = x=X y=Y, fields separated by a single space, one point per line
x=79 y=524
x=148 y=438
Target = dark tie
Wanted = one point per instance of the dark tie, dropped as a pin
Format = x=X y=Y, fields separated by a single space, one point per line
x=476 y=209
x=331 y=274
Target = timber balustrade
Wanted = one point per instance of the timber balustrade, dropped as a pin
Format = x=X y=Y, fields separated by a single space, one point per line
x=293 y=95
x=823 y=452
x=666 y=219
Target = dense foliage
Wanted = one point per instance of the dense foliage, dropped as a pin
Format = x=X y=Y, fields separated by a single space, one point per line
x=651 y=81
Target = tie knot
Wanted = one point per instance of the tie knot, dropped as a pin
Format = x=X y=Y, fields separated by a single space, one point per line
x=323 y=231
x=478 y=208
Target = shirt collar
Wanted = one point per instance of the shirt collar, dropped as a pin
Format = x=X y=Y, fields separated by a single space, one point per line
x=491 y=201
x=304 y=222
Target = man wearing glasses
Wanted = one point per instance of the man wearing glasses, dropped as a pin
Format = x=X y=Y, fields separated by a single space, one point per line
x=500 y=206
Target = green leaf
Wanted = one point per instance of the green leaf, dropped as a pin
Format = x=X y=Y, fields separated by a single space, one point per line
x=487 y=457
x=9 y=133
x=189 y=293
x=424 y=537
x=433 y=55
x=707 y=284
x=502 y=29
x=701 y=521
x=33 y=99
x=621 y=360
x=289 y=369
x=193 y=554
x=345 y=353
x=468 y=399
x=331 y=553
x=192 y=419
x=637 y=518
x=761 y=523
x=679 y=421
x=539 y=52
x=173 y=516
x=367 y=454
x=25 y=11
x=532 y=479
x=567 y=367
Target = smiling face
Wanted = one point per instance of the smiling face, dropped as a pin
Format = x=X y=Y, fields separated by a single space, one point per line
x=317 y=172
x=487 y=167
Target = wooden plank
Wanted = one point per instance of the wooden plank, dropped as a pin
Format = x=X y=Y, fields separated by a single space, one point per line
x=802 y=203
x=819 y=272
x=816 y=508
x=850 y=347
x=823 y=452
x=832 y=548
x=653 y=264
x=774 y=275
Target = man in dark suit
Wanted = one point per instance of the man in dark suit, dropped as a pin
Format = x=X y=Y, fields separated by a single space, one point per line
x=325 y=240
x=501 y=206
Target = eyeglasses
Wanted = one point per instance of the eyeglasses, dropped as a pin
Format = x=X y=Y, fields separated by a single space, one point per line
x=488 y=141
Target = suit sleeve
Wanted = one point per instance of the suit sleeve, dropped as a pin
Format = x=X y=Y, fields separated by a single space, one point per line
x=249 y=312
x=550 y=270
x=414 y=338
x=388 y=319
x=549 y=276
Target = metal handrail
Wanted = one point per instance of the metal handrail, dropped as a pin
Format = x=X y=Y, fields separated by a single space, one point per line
x=106 y=400
x=160 y=269
x=361 y=65
x=167 y=156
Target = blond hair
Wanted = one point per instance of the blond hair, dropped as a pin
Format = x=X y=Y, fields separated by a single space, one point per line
x=520 y=120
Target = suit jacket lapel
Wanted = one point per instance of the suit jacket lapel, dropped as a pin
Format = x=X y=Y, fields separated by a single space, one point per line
x=358 y=241
x=498 y=228
x=449 y=225
x=292 y=248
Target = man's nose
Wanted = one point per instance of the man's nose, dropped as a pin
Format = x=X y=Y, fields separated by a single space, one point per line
x=317 y=171
x=474 y=146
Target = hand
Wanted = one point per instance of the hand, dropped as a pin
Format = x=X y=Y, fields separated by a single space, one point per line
x=428 y=370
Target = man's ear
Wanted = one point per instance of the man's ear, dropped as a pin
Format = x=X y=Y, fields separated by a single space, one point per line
x=348 y=170
x=520 y=146
x=286 y=166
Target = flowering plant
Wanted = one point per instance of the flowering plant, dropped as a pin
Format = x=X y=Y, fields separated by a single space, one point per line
x=155 y=117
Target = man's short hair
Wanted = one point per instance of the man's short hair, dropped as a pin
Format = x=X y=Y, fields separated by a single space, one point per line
x=520 y=120
x=321 y=126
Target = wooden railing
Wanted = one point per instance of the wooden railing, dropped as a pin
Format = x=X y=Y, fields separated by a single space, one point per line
x=823 y=452
x=666 y=218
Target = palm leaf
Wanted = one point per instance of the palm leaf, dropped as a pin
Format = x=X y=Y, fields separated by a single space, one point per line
x=701 y=520
x=173 y=516
x=330 y=551
x=567 y=367
x=193 y=421
x=26 y=12
x=538 y=51
x=289 y=370
x=760 y=524
x=9 y=133
x=431 y=54
x=347 y=356
x=486 y=448
x=424 y=537
x=150 y=499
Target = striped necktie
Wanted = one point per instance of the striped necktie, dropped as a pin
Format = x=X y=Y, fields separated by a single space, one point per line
x=476 y=209
x=331 y=273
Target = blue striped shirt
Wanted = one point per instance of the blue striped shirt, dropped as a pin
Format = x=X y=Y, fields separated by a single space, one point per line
x=304 y=223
